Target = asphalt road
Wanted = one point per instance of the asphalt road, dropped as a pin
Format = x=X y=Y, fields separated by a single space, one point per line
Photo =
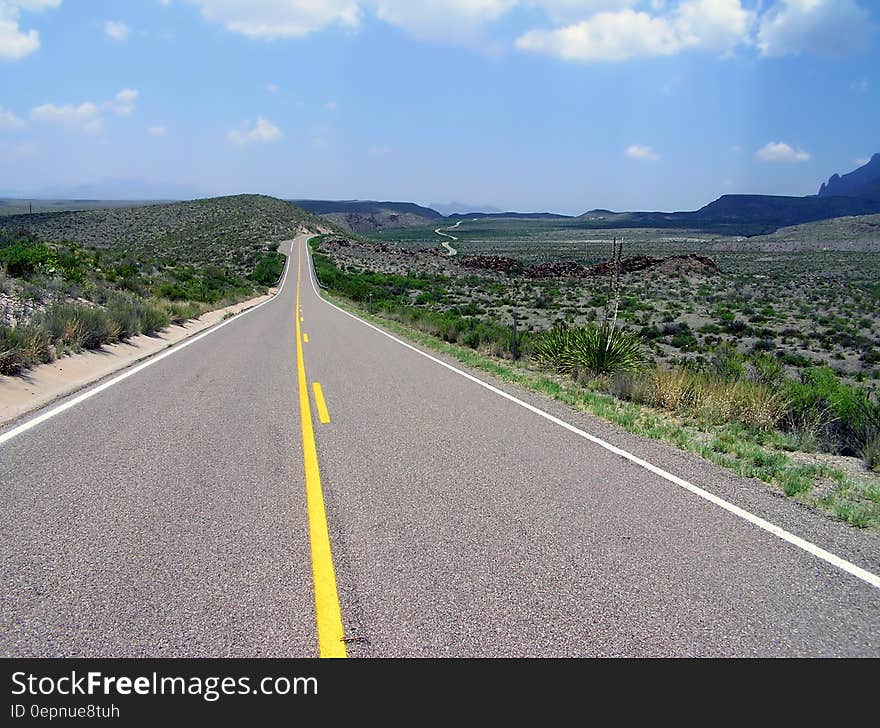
x=167 y=516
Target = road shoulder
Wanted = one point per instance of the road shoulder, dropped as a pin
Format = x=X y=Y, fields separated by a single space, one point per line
x=32 y=389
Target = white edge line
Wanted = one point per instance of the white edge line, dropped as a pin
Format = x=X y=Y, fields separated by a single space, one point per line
x=811 y=548
x=155 y=359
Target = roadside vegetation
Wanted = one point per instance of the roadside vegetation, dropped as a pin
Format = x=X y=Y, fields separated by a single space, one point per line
x=812 y=434
x=58 y=296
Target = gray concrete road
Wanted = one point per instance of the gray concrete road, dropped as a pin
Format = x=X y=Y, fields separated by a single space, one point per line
x=167 y=516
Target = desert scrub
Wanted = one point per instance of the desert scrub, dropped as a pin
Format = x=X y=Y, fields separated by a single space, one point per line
x=22 y=347
x=709 y=398
x=73 y=327
x=391 y=296
x=742 y=450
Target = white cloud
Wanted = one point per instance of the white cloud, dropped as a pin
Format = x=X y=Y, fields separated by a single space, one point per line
x=862 y=161
x=157 y=130
x=860 y=86
x=605 y=37
x=116 y=30
x=272 y=88
x=379 y=150
x=262 y=131
x=273 y=19
x=781 y=152
x=331 y=106
x=87 y=115
x=123 y=102
x=827 y=27
x=639 y=151
x=435 y=19
x=8 y=120
x=708 y=25
x=586 y=30
x=66 y=114
x=16 y=43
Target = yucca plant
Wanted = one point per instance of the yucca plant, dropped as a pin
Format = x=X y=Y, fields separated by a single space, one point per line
x=551 y=347
x=603 y=349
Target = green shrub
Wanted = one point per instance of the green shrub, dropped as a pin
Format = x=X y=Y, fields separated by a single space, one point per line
x=268 y=269
x=844 y=416
x=23 y=259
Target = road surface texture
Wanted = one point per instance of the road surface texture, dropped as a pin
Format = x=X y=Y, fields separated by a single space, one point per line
x=167 y=516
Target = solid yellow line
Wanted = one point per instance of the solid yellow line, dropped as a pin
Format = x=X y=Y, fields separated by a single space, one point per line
x=327 y=611
x=306 y=338
x=323 y=414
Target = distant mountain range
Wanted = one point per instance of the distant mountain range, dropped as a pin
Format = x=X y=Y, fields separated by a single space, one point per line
x=855 y=193
x=448 y=209
x=110 y=189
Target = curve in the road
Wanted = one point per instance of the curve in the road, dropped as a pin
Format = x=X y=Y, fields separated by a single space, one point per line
x=450 y=251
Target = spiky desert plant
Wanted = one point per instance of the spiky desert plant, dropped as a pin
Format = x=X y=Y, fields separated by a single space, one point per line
x=551 y=348
x=605 y=349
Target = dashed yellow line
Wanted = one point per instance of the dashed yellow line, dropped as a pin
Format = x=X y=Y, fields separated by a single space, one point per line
x=323 y=414
x=305 y=338
x=327 y=611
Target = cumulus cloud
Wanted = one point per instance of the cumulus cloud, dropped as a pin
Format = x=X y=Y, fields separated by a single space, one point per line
x=435 y=19
x=640 y=151
x=86 y=116
x=579 y=30
x=123 y=102
x=273 y=19
x=157 y=131
x=8 y=120
x=261 y=132
x=827 y=27
x=781 y=152
x=116 y=30
x=709 y=25
x=16 y=43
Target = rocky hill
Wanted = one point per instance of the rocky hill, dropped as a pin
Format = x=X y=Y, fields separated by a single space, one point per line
x=363 y=216
x=863 y=182
x=226 y=231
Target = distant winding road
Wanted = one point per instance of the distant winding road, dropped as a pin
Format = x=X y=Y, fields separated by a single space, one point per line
x=300 y=482
x=450 y=251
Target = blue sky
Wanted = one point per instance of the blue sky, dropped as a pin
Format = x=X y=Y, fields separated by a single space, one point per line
x=562 y=105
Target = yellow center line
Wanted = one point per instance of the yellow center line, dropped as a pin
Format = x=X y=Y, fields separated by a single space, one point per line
x=323 y=414
x=327 y=611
